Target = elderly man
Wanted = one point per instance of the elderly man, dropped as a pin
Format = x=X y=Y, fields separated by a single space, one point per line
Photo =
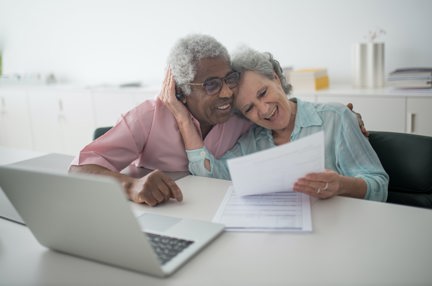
x=148 y=135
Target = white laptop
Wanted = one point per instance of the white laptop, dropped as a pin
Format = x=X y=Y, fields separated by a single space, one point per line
x=90 y=217
x=52 y=161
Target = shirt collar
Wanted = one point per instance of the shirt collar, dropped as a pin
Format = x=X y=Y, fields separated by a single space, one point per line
x=306 y=116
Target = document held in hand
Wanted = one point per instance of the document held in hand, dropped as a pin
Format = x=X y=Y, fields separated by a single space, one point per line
x=277 y=169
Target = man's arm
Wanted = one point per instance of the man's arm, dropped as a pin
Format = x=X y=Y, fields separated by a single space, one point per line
x=152 y=189
x=360 y=120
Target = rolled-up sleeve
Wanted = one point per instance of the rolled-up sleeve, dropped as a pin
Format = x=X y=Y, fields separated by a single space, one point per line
x=257 y=138
x=218 y=167
x=357 y=158
x=114 y=150
x=120 y=145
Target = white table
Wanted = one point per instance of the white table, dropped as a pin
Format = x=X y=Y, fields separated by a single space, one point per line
x=354 y=242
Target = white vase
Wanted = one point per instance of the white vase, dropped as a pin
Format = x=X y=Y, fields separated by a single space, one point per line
x=368 y=65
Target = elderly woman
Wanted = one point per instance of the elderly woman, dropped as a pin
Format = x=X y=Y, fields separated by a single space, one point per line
x=353 y=168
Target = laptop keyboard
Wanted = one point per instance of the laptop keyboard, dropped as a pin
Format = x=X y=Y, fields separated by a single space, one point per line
x=166 y=247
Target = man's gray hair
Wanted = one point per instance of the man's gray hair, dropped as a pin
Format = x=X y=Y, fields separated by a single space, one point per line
x=247 y=59
x=186 y=54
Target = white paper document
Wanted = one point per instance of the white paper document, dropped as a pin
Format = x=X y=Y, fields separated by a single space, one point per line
x=281 y=211
x=262 y=197
x=277 y=169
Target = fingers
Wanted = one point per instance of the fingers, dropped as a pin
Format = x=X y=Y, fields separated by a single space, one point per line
x=170 y=79
x=167 y=187
x=362 y=125
x=168 y=93
x=322 y=190
x=364 y=131
x=157 y=188
x=168 y=85
x=321 y=185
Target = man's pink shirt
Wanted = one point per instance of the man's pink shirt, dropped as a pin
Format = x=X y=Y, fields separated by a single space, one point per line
x=148 y=136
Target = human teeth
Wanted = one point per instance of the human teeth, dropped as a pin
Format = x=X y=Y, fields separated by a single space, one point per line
x=271 y=114
x=223 y=107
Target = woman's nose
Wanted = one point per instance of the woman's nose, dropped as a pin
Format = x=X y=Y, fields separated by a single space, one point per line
x=263 y=110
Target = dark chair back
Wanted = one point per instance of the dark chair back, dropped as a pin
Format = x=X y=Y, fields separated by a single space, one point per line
x=407 y=159
x=100 y=131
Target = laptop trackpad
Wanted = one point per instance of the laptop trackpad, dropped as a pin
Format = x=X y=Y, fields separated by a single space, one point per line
x=159 y=223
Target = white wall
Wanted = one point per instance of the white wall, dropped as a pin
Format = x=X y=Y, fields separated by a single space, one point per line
x=112 y=41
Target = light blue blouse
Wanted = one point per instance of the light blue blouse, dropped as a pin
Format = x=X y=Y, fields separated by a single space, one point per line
x=347 y=150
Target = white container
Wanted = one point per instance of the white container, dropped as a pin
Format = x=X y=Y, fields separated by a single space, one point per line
x=368 y=65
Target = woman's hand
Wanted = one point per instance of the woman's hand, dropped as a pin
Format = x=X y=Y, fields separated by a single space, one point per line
x=321 y=185
x=328 y=184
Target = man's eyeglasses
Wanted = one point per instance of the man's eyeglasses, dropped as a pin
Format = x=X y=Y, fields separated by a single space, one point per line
x=214 y=85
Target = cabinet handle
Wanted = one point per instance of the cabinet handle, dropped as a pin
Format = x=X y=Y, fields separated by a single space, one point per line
x=411 y=122
x=3 y=106
x=60 y=105
x=61 y=116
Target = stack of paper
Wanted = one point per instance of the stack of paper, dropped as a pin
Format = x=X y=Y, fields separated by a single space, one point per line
x=411 y=78
x=262 y=198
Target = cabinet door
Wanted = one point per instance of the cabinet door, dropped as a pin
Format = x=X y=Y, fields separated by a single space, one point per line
x=62 y=120
x=419 y=115
x=378 y=113
x=139 y=97
x=44 y=113
x=77 y=120
x=110 y=105
x=15 y=127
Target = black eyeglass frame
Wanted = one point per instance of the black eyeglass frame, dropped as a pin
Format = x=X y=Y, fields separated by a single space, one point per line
x=220 y=81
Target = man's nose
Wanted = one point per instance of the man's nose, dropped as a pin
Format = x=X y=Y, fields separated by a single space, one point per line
x=226 y=92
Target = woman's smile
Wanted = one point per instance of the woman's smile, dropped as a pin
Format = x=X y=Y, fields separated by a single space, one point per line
x=272 y=114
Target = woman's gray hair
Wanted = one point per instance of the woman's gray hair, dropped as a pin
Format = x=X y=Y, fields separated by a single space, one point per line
x=247 y=59
x=186 y=54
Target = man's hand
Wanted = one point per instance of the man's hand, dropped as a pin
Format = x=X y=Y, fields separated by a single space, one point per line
x=360 y=120
x=153 y=189
x=190 y=133
x=168 y=97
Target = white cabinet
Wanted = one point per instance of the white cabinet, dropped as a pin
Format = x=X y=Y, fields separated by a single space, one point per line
x=15 y=126
x=378 y=113
x=110 y=104
x=62 y=119
x=383 y=109
x=419 y=115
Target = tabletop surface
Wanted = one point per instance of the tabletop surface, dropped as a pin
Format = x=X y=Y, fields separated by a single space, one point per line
x=353 y=242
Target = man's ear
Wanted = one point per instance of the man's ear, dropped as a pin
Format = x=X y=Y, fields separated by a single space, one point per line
x=180 y=95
